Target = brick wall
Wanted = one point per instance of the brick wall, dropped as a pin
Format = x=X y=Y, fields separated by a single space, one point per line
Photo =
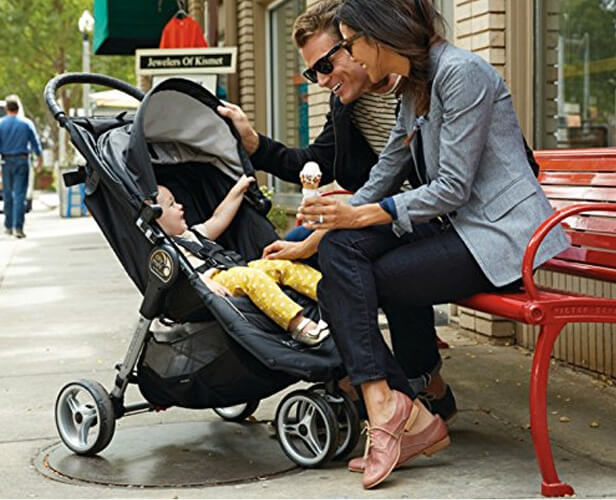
x=318 y=104
x=246 y=57
x=480 y=28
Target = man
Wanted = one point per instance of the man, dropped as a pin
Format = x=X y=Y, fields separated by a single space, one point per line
x=18 y=139
x=357 y=128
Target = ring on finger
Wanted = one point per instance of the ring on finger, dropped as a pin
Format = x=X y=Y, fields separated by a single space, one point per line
x=321 y=219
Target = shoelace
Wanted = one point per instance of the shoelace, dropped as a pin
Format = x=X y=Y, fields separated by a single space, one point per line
x=369 y=431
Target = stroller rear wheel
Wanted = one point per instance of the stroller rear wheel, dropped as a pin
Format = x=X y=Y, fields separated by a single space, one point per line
x=239 y=412
x=85 y=418
x=307 y=428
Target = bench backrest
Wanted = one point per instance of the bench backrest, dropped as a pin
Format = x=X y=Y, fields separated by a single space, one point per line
x=583 y=176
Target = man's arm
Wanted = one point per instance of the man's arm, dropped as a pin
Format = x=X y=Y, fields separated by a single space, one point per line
x=225 y=211
x=277 y=159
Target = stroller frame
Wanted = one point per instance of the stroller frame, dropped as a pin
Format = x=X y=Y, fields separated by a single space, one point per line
x=323 y=419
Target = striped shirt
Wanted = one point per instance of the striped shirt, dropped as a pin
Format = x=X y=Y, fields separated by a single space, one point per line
x=375 y=116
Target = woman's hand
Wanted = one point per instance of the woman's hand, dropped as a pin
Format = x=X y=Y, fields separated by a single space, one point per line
x=323 y=212
x=288 y=250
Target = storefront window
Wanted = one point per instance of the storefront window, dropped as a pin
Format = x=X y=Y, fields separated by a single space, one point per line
x=288 y=92
x=578 y=86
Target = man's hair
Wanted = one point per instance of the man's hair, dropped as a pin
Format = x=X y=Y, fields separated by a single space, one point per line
x=319 y=18
x=11 y=103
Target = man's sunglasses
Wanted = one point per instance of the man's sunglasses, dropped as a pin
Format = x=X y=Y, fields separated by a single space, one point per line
x=323 y=65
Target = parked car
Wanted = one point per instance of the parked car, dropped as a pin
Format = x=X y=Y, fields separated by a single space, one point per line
x=30 y=177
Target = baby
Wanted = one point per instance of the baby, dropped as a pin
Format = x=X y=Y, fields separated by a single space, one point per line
x=260 y=279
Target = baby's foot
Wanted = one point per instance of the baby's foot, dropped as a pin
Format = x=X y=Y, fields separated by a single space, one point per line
x=310 y=333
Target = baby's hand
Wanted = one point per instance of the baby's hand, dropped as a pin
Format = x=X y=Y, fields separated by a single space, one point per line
x=243 y=183
x=216 y=288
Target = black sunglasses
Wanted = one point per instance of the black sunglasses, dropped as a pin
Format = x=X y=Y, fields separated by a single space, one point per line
x=323 y=65
x=348 y=44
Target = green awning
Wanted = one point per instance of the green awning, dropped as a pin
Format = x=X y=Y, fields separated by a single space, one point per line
x=122 y=26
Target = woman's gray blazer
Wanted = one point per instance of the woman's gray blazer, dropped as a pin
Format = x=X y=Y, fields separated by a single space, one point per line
x=476 y=166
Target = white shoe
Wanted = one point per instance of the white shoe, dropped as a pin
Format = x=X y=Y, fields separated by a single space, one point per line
x=310 y=336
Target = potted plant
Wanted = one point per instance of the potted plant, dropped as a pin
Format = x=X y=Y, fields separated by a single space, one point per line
x=44 y=179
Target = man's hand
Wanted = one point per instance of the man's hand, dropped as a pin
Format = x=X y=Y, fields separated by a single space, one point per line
x=288 y=250
x=39 y=165
x=249 y=136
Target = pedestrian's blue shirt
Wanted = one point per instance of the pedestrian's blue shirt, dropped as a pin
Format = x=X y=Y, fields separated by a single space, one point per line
x=18 y=136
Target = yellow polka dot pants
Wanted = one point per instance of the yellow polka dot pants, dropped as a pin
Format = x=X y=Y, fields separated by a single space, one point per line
x=259 y=281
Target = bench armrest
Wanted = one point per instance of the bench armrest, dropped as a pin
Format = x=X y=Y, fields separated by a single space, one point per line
x=542 y=231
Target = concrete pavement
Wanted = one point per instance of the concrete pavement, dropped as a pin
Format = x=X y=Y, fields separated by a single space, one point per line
x=67 y=311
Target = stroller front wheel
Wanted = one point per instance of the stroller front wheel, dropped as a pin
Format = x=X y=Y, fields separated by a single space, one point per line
x=85 y=418
x=237 y=413
x=307 y=428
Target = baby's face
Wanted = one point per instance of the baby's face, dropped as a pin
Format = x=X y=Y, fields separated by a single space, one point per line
x=172 y=220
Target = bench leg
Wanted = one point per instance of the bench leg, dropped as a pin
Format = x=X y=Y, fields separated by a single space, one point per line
x=551 y=485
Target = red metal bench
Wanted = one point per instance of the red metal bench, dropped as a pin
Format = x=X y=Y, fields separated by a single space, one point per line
x=581 y=184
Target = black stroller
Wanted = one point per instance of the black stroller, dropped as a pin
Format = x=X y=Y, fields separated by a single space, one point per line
x=191 y=348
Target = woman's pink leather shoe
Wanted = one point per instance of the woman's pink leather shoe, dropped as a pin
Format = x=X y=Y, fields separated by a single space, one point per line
x=383 y=447
x=428 y=442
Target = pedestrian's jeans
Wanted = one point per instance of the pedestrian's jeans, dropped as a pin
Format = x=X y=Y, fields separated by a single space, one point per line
x=414 y=349
x=15 y=171
x=368 y=267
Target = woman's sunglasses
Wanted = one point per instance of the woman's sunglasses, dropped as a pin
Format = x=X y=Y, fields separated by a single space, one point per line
x=324 y=65
x=348 y=44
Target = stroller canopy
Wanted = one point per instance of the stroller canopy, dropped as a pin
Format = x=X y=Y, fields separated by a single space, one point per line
x=176 y=123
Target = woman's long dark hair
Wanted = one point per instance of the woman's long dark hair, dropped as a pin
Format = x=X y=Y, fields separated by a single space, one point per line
x=409 y=27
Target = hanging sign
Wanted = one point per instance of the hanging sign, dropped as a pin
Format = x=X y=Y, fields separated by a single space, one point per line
x=214 y=60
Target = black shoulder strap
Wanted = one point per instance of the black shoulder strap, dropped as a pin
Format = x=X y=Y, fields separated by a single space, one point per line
x=531 y=158
x=212 y=254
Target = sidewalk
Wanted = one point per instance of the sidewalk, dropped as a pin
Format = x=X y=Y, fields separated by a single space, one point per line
x=68 y=310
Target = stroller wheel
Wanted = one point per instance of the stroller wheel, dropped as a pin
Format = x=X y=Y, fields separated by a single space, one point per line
x=85 y=418
x=307 y=428
x=237 y=413
x=347 y=417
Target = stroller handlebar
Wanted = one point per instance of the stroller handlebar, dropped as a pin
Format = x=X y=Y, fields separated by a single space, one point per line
x=67 y=78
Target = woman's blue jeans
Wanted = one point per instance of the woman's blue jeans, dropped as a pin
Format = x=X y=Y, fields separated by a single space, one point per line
x=15 y=171
x=412 y=329
x=367 y=268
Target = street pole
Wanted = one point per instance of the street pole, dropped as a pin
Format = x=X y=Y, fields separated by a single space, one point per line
x=85 y=64
x=86 y=25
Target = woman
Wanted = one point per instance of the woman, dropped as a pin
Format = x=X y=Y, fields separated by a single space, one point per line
x=461 y=231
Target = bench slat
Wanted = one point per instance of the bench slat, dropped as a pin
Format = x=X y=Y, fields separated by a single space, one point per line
x=578 y=178
x=589 y=256
x=560 y=204
x=581 y=269
x=579 y=193
x=591 y=223
x=602 y=160
x=594 y=240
